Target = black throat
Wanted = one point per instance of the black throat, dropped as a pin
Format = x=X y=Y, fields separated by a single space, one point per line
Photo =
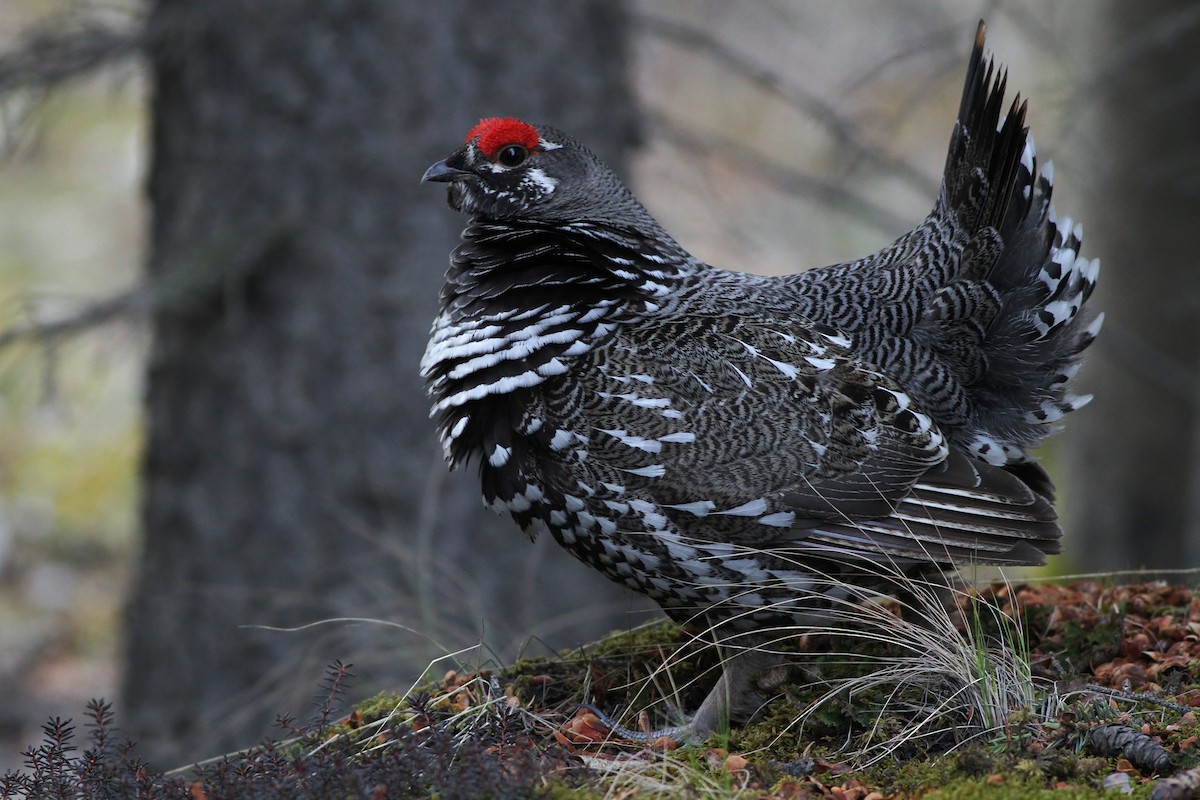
x=524 y=265
x=522 y=302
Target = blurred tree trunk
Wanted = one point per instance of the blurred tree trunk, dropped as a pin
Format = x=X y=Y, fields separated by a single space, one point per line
x=1138 y=445
x=291 y=473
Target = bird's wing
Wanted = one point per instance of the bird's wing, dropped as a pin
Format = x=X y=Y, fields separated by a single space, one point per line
x=742 y=430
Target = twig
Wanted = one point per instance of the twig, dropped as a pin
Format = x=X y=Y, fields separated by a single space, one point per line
x=181 y=287
x=823 y=113
x=788 y=179
x=48 y=56
x=1138 y=697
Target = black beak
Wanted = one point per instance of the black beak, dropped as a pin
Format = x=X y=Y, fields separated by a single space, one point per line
x=441 y=172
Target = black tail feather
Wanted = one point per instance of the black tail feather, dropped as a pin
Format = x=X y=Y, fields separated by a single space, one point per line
x=1030 y=347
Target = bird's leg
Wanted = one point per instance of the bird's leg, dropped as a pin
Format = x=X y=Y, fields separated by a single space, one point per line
x=735 y=698
x=937 y=586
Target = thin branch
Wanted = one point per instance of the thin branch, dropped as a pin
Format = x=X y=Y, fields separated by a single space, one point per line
x=841 y=128
x=49 y=56
x=126 y=304
x=1162 y=34
x=786 y=178
x=188 y=283
x=1166 y=32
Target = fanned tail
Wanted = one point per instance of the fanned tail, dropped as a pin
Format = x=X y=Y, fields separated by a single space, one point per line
x=1028 y=260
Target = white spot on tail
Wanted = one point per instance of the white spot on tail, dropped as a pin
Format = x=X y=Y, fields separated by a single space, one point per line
x=988 y=449
x=1074 y=402
x=1046 y=413
x=1028 y=153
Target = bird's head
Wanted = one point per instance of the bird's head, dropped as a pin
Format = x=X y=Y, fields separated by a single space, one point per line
x=507 y=168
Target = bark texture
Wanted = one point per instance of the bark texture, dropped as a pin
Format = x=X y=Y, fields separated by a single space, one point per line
x=291 y=473
x=1134 y=474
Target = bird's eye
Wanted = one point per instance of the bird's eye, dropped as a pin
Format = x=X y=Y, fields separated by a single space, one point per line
x=511 y=156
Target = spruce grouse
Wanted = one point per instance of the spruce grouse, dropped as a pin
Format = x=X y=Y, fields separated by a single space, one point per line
x=745 y=449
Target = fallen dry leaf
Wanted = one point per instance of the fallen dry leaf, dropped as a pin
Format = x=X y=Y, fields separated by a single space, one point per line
x=585 y=727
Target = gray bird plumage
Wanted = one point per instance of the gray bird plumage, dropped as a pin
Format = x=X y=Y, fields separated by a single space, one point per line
x=739 y=447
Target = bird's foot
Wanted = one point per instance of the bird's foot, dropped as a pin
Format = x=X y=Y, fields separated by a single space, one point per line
x=735 y=698
x=684 y=733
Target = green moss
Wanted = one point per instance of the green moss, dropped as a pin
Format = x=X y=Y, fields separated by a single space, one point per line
x=1018 y=788
x=637 y=668
x=642 y=639
x=379 y=706
x=911 y=776
x=558 y=790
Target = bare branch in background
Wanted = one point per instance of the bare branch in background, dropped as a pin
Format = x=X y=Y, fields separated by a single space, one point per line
x=196 y=279
x=1161 y=36
x=828 y=191
x=49 y=56
x=1150 y=41
x=843 y=129
x=58 y=50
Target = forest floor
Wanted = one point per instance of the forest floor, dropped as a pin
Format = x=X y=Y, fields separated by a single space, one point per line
x=1039 y=690
x=1111 y=684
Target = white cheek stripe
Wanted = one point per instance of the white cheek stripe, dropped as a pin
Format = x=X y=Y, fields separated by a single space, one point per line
x=541 y=180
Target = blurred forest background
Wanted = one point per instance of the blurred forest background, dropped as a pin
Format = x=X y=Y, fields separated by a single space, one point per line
x=217 y=270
